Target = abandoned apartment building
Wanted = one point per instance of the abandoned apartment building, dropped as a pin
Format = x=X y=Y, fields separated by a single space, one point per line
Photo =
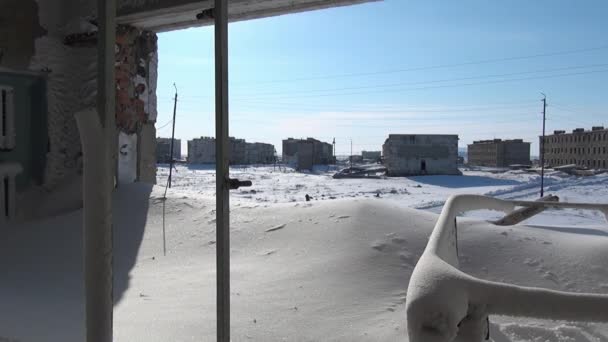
x=499 y=153
x=202 y=151
x=371 y=156
x=49 y=72
x=584 y=148
x=303 y=154
x=163 y=150
x=421 y=154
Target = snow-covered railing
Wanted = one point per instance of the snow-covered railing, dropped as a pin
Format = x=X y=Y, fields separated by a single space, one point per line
x=7 y=118
x=8 y=196
x=445 y=304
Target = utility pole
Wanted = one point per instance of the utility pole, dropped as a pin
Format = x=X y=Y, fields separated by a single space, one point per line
x=542 y=149
x=351 y=153
x=334 y=150
x=172 y=136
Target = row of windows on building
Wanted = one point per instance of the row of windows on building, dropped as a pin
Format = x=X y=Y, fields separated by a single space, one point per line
x=588 y=163
x=577 y=138
x=579 y=150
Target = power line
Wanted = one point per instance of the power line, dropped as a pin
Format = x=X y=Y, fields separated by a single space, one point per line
x=165 y=125
x=400 y=84
x=424 y=88
x=576 y=111
x=440 y=66
x=379 y=109
x=442 y=86
x=390 y=85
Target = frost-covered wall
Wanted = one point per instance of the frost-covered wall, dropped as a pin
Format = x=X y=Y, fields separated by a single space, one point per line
x=37 y=45
x=56 y=41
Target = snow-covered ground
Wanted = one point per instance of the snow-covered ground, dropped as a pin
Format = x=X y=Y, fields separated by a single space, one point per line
x=274 y=185
x=332 y=269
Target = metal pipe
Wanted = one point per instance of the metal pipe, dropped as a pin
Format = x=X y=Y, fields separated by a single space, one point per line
x=97 y=230
x=99 y=143
x=222 y=145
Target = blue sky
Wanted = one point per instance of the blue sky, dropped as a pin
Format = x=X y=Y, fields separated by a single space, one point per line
x=474 y=68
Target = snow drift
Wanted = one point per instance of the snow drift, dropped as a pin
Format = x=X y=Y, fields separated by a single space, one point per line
x=305 y=271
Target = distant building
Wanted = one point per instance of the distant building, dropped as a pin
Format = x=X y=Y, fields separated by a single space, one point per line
x=163 y=148
x=499 y=153
x=260 y=153
x=583 y=148
x=304 y=153
x=202 y=151
x=371 y=155
x=421 y=154
x=355 y=158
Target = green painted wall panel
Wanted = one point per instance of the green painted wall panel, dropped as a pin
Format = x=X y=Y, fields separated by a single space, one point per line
x=31 y=127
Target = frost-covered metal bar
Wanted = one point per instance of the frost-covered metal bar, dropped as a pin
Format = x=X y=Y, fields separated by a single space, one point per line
x=562 y=205
x=8 y=198
x=445 y=304
x=97 y=231
x=99 y=144
x=222 y=147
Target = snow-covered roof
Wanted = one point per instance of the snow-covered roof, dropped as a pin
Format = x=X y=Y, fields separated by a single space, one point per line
x=167 y=15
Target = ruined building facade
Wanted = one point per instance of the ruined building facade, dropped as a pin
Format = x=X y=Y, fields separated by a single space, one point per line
x=202 y=151
x=163 y=150
x=499 y=153
x=48 y=73
x=421 y=154
x=583 y=148
x=304 y=153
x=371 y=155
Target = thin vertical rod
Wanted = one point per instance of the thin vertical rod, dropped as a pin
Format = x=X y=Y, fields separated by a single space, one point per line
x=222 y=171
x=97 y=230
x=542 y=150
x=172 y=138
x=351 y=154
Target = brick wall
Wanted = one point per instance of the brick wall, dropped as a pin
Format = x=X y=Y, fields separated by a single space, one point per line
x=136 y=70
x=135 y=78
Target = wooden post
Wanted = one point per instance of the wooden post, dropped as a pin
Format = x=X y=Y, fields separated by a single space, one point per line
x=222 y=148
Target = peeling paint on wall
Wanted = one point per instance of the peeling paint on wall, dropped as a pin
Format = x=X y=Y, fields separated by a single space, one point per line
x=127 y=158
x=136 y=65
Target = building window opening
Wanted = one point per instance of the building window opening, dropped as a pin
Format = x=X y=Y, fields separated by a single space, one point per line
x=7 y=119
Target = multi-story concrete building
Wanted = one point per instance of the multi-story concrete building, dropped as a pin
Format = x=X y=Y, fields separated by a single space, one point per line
x=499 y=153
x=163 y=148
x=304 y=153
x=238 y=152
x=583 y=148
x=371 y=155
x=202 y=151
x=421 y=154
x=260 y=153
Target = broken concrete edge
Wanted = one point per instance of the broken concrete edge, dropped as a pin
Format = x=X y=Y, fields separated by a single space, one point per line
x=160 y=16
